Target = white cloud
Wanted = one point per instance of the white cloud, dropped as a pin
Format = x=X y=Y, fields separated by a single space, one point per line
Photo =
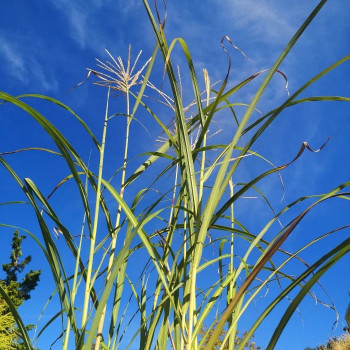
x=130 y=6
x=41 y=80
x=77 y=15
x=15 y=61
x=268 y=20
x=261 y=19
x=25 y=68
x=83 y=18
x=79 y=21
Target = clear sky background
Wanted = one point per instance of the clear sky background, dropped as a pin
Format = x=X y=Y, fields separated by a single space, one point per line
x=46 y=46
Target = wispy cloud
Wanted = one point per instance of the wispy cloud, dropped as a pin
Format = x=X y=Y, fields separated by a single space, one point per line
x=88 y=27
x=263 y=20
x=259 y=28
x=271 y=21
x=48 y=83
x=78 y=14
x=25 y=68
x=13 y=60
x=130 y=6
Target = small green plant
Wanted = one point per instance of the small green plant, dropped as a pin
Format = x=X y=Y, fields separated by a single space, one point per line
x=17 y=291
x=143 y=273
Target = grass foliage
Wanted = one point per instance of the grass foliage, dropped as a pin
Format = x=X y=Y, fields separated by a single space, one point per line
x=339 y=343
x=144 y=274
x=7 y=327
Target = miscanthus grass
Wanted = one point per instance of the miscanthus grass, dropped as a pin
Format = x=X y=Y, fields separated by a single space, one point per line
x=145 y=275
x=339 y=343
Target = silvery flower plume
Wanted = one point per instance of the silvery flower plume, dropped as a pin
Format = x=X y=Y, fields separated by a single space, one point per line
x=116 y=75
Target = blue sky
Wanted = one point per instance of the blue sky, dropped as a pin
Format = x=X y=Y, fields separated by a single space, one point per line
x=46 y=46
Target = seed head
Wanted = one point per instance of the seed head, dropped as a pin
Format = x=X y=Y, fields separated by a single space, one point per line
x=115 y=75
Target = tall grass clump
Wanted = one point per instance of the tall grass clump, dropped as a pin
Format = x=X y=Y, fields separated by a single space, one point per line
x=340 y=343
x=144 y=274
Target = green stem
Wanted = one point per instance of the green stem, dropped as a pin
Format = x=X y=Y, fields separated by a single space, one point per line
x=94 y=229
x=117 y=222
x=74 y=288
x=207 y=100
x=231 y=287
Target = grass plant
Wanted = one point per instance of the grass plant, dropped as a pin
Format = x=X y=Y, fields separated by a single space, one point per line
x=7 y=328
x=169 y=242
x=339 y=343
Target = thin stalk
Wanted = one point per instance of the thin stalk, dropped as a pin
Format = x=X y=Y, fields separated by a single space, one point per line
x=165 y=259
x=170 y=336
x=231 y=288
x=94 y=229
x=74 y=287
x=117 y=222
x=231 y=333
x=75 y=284
x=193 y=318
x=187 y=278
x=173 y=200
x=202 y=170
